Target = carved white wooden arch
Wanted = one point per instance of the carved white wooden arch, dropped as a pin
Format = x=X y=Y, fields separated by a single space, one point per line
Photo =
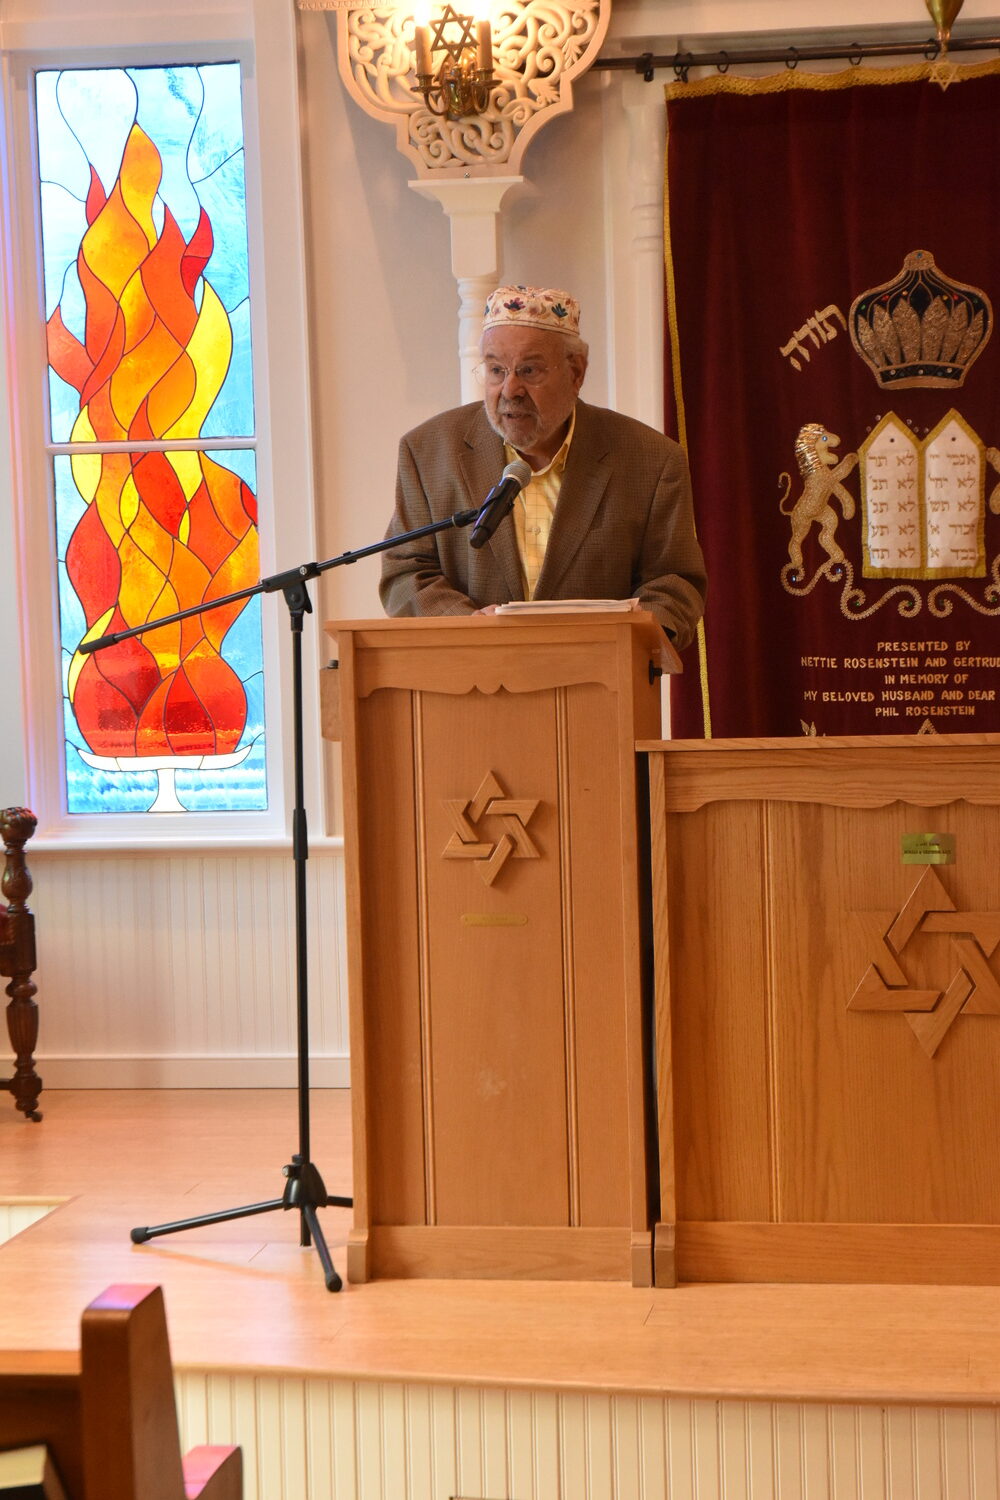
x=539 y=48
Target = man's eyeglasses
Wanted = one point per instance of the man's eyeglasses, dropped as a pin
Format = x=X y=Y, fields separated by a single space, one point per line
x=530 y=373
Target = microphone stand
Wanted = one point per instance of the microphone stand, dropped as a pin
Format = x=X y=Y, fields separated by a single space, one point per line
x=304 y=1188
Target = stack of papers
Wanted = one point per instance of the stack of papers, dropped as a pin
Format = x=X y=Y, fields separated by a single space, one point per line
x=566 y=606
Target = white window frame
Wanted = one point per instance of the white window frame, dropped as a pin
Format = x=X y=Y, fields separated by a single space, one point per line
x=260 y=35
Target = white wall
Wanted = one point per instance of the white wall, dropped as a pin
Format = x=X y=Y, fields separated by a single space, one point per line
x=118 y=1007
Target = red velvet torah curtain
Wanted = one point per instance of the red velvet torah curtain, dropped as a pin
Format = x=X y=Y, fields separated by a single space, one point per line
x=833 y=276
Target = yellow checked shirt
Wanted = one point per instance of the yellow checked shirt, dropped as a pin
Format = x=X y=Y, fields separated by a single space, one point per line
x=534 y=509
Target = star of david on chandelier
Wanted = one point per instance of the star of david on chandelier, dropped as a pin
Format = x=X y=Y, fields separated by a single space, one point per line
x=490 y=803
x=462 y=82
x=464 y=24
x=972 y=990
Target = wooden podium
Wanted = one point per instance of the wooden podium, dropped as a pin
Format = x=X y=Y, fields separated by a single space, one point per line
x=495 y=943
x=827 y=918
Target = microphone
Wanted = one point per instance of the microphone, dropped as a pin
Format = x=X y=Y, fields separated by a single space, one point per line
x=499 y=502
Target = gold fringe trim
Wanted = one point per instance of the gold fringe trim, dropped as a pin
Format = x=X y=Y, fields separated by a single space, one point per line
x=843 y=78
x=706 y=707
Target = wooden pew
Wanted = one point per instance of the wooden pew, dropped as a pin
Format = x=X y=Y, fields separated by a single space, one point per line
x=17 y=959
x=111 y=1424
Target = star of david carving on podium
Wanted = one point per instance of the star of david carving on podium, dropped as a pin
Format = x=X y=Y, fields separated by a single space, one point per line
x=490 y=811
x=973 y=988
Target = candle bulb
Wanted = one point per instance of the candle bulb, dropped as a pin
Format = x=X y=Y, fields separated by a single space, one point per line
x=422 y=43
x=484 y=36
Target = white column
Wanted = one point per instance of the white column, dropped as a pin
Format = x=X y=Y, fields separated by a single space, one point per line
x=634 y=195
x=473 y=206
x=645 y=116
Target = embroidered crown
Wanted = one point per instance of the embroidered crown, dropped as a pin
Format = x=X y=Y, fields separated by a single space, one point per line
x=922 y=328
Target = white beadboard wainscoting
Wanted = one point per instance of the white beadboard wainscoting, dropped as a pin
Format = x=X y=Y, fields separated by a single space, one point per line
x=178 y=969
x=20 y=1213
x=341 y=1440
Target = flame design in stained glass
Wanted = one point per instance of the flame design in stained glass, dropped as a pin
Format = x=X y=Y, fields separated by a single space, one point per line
x=141 y=349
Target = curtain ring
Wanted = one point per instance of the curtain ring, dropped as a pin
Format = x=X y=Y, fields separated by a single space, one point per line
x=856 y=58
x=792 y=60
x=644 y=65
x=682 y=67
x=723 y=66
x=932 y=50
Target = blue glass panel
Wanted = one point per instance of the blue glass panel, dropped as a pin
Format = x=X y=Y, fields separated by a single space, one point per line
x=223 y=197
x=169 y=103
x=64 y=403
x=243 y=461
x=66 y=218
x=84 y=117
x=219 y=133
x=236 y=396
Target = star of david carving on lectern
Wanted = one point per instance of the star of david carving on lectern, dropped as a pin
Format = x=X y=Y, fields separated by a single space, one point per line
x=973 y=989
x=491 y=805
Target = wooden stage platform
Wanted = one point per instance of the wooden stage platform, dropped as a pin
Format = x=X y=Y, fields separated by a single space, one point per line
x=641 y=1387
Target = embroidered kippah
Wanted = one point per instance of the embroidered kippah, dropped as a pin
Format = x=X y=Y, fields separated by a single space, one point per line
x=532 y=307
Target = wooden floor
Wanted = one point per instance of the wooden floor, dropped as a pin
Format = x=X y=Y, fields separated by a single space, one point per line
x=246 y=1295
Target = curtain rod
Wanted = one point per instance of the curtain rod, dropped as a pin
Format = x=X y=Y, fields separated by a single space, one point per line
x=855 y=53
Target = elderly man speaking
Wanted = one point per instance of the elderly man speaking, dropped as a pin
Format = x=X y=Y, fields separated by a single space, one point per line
x=605 y=512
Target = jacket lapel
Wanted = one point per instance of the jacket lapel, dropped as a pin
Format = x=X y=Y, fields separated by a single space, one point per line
x=588 y=470
x=482 y=464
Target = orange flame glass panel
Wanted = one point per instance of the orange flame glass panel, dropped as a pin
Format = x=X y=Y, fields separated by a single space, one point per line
x=162 y=531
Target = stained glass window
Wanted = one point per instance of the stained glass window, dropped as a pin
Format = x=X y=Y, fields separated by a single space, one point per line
x=144 y=240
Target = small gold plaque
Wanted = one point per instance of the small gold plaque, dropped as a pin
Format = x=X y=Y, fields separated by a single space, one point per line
x=493 y=919
x=928 y=848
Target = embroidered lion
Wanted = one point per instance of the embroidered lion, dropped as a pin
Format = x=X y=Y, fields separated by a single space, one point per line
x=821 y=484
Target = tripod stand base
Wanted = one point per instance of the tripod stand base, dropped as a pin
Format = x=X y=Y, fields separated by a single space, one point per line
x=304 y=1191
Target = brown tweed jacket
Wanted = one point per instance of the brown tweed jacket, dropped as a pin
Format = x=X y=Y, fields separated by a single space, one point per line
x=623 y=526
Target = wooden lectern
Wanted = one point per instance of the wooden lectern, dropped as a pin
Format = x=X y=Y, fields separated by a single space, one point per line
x=827 y=917
x=495 y=943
